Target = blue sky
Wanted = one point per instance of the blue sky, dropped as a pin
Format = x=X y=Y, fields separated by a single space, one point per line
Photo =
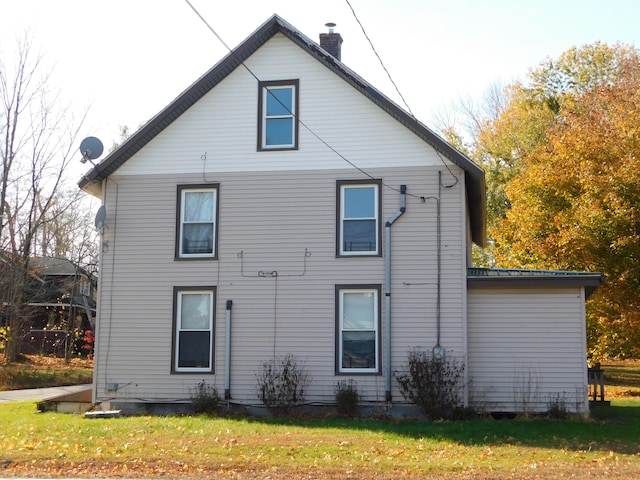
x=125 y=60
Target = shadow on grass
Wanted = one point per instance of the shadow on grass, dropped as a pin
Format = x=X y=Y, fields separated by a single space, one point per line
x=622 y=375
x=612 y=428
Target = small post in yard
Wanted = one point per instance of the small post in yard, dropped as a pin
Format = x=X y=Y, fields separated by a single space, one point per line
x=596 y=385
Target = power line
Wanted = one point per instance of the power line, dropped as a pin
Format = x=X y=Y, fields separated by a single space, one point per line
x=398 y=90
x=380 y=59
x=302 y=123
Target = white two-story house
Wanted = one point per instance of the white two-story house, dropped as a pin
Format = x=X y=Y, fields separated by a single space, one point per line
x=282 y=205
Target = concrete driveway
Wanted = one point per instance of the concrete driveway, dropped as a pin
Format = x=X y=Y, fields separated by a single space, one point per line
x=37 y=394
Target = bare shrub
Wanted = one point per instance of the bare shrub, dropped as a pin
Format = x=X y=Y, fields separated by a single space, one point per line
x=526 y=390
x=432 y=385
x=205 y=398
x=282 y=384
x=347 y=398
x=557 y=406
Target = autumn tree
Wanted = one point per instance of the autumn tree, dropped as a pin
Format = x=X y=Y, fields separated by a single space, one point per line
x=503 y=143
x=38 y=142
x=561 y=162
x=560 y=155
x=576 y=203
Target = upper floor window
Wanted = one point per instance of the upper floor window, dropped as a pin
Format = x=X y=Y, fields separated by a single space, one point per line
x=197 y=221
x=278 y=113
x=359 y=230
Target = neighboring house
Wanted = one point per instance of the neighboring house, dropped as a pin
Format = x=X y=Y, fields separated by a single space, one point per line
x=282 y=205
x=60 y=305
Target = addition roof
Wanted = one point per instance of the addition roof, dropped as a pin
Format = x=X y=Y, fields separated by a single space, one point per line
x=513 y=277
x=474 y=175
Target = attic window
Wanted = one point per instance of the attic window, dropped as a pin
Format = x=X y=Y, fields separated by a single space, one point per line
x=277 y=115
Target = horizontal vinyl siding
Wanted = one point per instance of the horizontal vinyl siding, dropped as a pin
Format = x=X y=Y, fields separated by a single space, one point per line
x=526 y=344
x=275 y=207
x=219 y=133
x=267 y=222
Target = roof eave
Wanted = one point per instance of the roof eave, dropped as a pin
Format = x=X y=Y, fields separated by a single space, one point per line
x=474 y=175
x=590 y=281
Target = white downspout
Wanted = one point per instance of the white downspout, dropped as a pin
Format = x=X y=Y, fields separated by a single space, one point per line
x=387 y=293
x=227 y=354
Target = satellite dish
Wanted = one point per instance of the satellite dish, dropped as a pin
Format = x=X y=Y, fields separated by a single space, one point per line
x=100 y=217
x=90 y=148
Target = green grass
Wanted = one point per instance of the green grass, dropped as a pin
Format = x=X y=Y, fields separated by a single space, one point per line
x=623 y=374
x=606 y=445
x=200 y=445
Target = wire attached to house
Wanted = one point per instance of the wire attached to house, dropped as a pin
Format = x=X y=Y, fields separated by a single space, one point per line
x=111 y=274
x=398 y=90
x=309 y=129
x=380 y=59
x=274 y=273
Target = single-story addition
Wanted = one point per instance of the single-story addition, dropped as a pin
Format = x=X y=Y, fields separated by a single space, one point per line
x=281 y=205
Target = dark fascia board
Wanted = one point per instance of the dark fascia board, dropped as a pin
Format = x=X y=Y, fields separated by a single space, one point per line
x=474 y=175
x=538 y=279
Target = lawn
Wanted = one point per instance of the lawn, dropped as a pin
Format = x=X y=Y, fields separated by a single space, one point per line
x=607 y=445
x=50 y=444
x=622 y=379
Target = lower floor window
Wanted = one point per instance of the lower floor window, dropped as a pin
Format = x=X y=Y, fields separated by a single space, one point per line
x=358 y=328
x=193 y=329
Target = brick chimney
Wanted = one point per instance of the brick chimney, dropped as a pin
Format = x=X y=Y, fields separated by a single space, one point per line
x=331 y=42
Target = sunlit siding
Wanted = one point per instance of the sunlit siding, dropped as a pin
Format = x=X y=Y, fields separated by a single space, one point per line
x=219 y=133
x=527 y=346
x=282 y=222
x=277 y=214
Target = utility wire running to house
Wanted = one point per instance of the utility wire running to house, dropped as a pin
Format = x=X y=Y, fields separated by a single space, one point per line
x=309 y=129
x=326 y=144
x=380 y=59
x=396 y=87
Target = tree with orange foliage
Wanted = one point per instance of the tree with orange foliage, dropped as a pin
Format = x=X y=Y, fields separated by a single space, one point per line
x=567 y=149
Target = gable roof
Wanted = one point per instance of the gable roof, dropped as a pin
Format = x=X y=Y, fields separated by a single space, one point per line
x=56 y=266
x=474 y=175
x=48 y=266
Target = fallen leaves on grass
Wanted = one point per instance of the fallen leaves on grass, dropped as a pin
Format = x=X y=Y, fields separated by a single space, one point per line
x=47 y=362
x=612 y=470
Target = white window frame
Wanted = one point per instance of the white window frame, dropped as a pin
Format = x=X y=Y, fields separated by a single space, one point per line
x=179 y=293
x=365 y=289
x=183 y=190
x=342 y=219
x=265 y=89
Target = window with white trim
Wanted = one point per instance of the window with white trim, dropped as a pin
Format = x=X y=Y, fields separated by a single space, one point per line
x=359 y=230
x=278 y=113
x=193 y=329
x=197 y=221
x=358 y=325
